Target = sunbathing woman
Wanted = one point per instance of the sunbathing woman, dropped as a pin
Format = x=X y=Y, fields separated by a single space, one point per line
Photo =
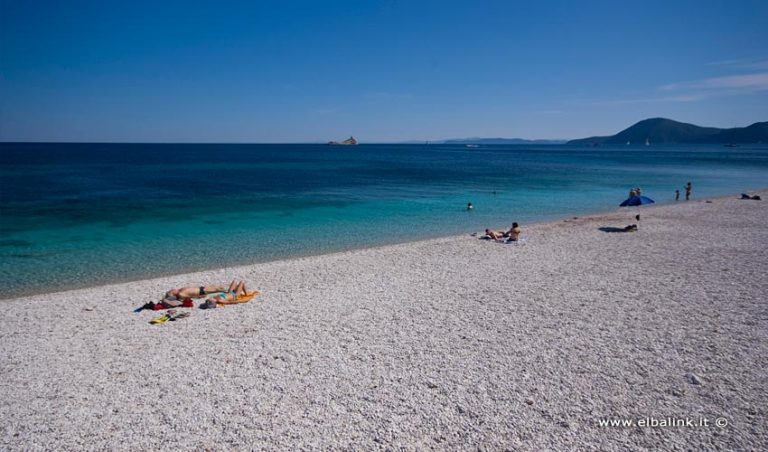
x=230 y=294
x=494 y=235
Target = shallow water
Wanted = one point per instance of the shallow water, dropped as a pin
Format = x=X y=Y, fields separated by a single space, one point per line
x=74 y=215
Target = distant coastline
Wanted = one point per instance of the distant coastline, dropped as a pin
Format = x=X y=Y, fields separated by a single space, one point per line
x=478 y=140
x=667 y=131
x=648 y=131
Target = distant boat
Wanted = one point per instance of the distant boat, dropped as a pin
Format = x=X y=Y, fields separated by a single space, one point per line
x=647 y=142
x=472 y=145
x=731 y=145
x=351 y=141
x=628 y=143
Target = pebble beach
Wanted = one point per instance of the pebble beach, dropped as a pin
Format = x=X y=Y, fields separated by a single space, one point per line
x=452 y=343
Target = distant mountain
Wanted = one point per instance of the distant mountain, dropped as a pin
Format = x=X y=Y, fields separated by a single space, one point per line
x=667 y=131
x=498 y=141
x=756 y=133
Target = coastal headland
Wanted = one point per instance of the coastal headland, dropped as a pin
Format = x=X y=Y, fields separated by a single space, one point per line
x=578 y=338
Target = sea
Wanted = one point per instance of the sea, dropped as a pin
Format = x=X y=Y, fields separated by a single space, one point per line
x=79 y=215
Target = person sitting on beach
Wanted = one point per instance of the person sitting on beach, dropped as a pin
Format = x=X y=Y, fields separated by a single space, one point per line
x=514 y=233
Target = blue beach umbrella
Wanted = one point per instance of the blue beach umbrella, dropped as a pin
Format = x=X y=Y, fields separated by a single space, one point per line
x=636 y=201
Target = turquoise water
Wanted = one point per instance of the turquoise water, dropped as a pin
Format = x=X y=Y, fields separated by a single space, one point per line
x=74 y=215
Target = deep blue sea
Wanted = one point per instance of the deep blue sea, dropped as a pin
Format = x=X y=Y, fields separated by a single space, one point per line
x=74 y=215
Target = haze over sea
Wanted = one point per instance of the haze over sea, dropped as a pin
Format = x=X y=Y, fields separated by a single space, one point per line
x=75 y=215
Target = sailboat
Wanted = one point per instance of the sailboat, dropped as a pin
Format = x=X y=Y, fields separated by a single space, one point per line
x=647 y=142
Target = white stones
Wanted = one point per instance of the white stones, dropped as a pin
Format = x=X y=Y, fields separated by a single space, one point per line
x=693 y=379
x=576 y=326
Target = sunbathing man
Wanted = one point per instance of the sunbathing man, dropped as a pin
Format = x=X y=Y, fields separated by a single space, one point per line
x=193 y=292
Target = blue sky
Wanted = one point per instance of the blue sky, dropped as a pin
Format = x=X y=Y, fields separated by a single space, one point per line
x=298 y=71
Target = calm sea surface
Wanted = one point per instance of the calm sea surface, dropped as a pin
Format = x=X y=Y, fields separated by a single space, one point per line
x=74 y=215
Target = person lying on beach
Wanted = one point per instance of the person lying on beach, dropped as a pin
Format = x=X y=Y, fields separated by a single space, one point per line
x=193 y=292
x=235 y=289
x=181 y=297
x=746 y=196
x=494 y=235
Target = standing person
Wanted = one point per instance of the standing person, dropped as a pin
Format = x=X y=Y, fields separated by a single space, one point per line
x=677 y=195
x=688 y=189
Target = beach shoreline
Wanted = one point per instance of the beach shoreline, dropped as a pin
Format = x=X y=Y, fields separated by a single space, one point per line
x=448 y=343
x=550 y=218
x=192 y=274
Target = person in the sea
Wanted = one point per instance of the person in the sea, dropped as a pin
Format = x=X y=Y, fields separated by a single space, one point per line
x=470 y=206
x=688 y=190
x=677 y=195
x=514 y=233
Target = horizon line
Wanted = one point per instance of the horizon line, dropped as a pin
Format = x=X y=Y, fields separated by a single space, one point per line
x=404 y=142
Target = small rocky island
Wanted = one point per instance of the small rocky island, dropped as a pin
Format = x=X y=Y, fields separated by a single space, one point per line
x=351 y=141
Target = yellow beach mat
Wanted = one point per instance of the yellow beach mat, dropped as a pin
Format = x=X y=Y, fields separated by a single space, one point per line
x=245 y=298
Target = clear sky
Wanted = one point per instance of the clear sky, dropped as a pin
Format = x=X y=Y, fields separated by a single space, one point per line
x=298 y=71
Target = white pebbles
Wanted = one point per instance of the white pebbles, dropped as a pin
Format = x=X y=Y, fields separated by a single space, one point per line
x=452 y=343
